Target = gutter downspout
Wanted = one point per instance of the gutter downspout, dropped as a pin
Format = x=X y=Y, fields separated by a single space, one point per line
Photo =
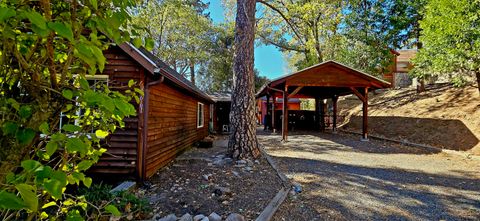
x=145 y=121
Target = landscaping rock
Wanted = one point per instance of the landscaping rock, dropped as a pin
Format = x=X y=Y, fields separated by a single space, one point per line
x=235 y=173
x=248 y=169
x=170 y=217
x=186 y=217
x=220 y=191
x=207 y=177
x=205 y=219
x=198 y=217
x=241 y=162
x=235 y=217
x=214 y=217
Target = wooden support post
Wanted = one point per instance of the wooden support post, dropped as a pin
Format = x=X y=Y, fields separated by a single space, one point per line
x=365 y=116
x=285 y=114
x=334 y=101
x=322 y=115
x=265 y=119
x=274 y=130
x=317 y=114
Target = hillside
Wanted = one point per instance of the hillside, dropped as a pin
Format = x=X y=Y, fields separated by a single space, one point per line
x=443 y=116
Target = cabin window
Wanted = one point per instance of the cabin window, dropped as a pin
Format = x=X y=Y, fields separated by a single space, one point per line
x=200 y=115
x=96 y=82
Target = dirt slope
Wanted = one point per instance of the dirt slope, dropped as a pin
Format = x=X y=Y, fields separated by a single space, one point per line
x=443 y=116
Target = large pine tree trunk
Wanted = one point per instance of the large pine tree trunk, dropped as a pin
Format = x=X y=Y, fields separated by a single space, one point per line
x=477 y=74
x=243 y=140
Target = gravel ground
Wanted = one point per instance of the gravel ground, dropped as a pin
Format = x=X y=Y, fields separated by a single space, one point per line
x=183 y=187
x=345 y=179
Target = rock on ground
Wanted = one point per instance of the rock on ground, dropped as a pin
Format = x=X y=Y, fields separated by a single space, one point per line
x=186 y=217
x=214 y=217
x=170 y=217
x=235 y=217
x=198 y=217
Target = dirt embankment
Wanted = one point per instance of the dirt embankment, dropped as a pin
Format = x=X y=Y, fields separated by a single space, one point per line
x=443 y=116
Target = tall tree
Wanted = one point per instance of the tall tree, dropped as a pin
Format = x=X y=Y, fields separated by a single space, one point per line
x=451 y=39
x=309 y=28
x=181 y=30
x=243 y=140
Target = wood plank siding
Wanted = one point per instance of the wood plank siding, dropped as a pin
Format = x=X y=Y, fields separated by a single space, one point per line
x=171 y=119
x=172 y=125
x=121 y=156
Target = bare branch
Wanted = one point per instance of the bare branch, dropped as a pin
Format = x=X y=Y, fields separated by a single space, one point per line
x=292 y=26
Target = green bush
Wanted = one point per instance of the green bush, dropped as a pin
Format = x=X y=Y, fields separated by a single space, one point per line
x=47 y=51
x=126 y=202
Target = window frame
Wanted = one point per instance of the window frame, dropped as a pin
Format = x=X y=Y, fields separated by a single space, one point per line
x=200 y=115
x=98 y=77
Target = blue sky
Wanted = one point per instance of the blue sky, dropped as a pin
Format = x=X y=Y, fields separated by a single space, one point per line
x=268 y=59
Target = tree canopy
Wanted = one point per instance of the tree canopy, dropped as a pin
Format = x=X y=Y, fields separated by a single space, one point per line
x=451 y=38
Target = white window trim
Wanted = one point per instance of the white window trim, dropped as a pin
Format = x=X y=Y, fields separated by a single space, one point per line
x=200 y=117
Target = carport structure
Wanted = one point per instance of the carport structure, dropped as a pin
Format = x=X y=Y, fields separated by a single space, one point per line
x=327 y=80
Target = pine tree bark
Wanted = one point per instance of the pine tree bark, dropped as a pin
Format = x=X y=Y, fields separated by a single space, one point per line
x=243 y=138
x=477 y=74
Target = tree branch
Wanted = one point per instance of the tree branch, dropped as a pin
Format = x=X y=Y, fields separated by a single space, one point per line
x=280 y=45
x=284 y=18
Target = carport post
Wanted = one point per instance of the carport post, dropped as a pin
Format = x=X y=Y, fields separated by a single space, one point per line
x=273 y=112
x=365 y=116
x=285 y=115
x=334 y=101
x=322 y=114
x=265 y=120
x=317 y=114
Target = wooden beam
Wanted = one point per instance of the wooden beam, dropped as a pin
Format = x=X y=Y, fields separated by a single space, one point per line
x=359 y=95
x=285 y=115
x=322 y=115
x=274 y=98
x=317 y=113
x=334 y=101
x=326 y=84
x=295 y=91
x=365 y=117
x=265 y=127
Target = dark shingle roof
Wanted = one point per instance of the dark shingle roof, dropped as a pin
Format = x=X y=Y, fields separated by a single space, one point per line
x=174 y=76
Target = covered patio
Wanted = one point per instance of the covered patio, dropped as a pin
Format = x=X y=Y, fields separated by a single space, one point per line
x=327 y=80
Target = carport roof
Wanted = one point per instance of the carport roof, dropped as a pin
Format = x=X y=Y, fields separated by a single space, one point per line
x=326 y=79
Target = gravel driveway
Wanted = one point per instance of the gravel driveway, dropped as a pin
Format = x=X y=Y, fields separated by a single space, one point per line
x=346 y=179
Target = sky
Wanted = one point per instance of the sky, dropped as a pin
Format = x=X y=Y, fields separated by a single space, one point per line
x=268 y=59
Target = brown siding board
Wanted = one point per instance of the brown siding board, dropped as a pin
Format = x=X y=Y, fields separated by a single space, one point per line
x=121 y=156
x=172 y=121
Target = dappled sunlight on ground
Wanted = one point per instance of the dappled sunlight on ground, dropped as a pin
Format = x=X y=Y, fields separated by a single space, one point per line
x=344 y=178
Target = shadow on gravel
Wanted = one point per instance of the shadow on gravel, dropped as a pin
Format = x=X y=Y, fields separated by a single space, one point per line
x=309 y=141
x=363 y=193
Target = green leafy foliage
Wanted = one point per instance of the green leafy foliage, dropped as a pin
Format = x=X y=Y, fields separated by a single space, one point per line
x=451 y=40
x=123 y=202
x=49 y=52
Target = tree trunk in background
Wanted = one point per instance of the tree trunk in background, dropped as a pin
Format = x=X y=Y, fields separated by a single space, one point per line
x=243 y=138
x=477 y=74
x=192 y=73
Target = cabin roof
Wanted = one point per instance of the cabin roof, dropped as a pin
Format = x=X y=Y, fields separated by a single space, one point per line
x=221 y=96
x=155 y=65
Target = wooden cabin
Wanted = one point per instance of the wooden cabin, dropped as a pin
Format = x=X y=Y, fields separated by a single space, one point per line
x=397 y=73
x=171 y=117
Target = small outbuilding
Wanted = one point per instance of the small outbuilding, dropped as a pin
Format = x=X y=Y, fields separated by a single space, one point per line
x=172 y=115
x=220 y=112
x=327 y=80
